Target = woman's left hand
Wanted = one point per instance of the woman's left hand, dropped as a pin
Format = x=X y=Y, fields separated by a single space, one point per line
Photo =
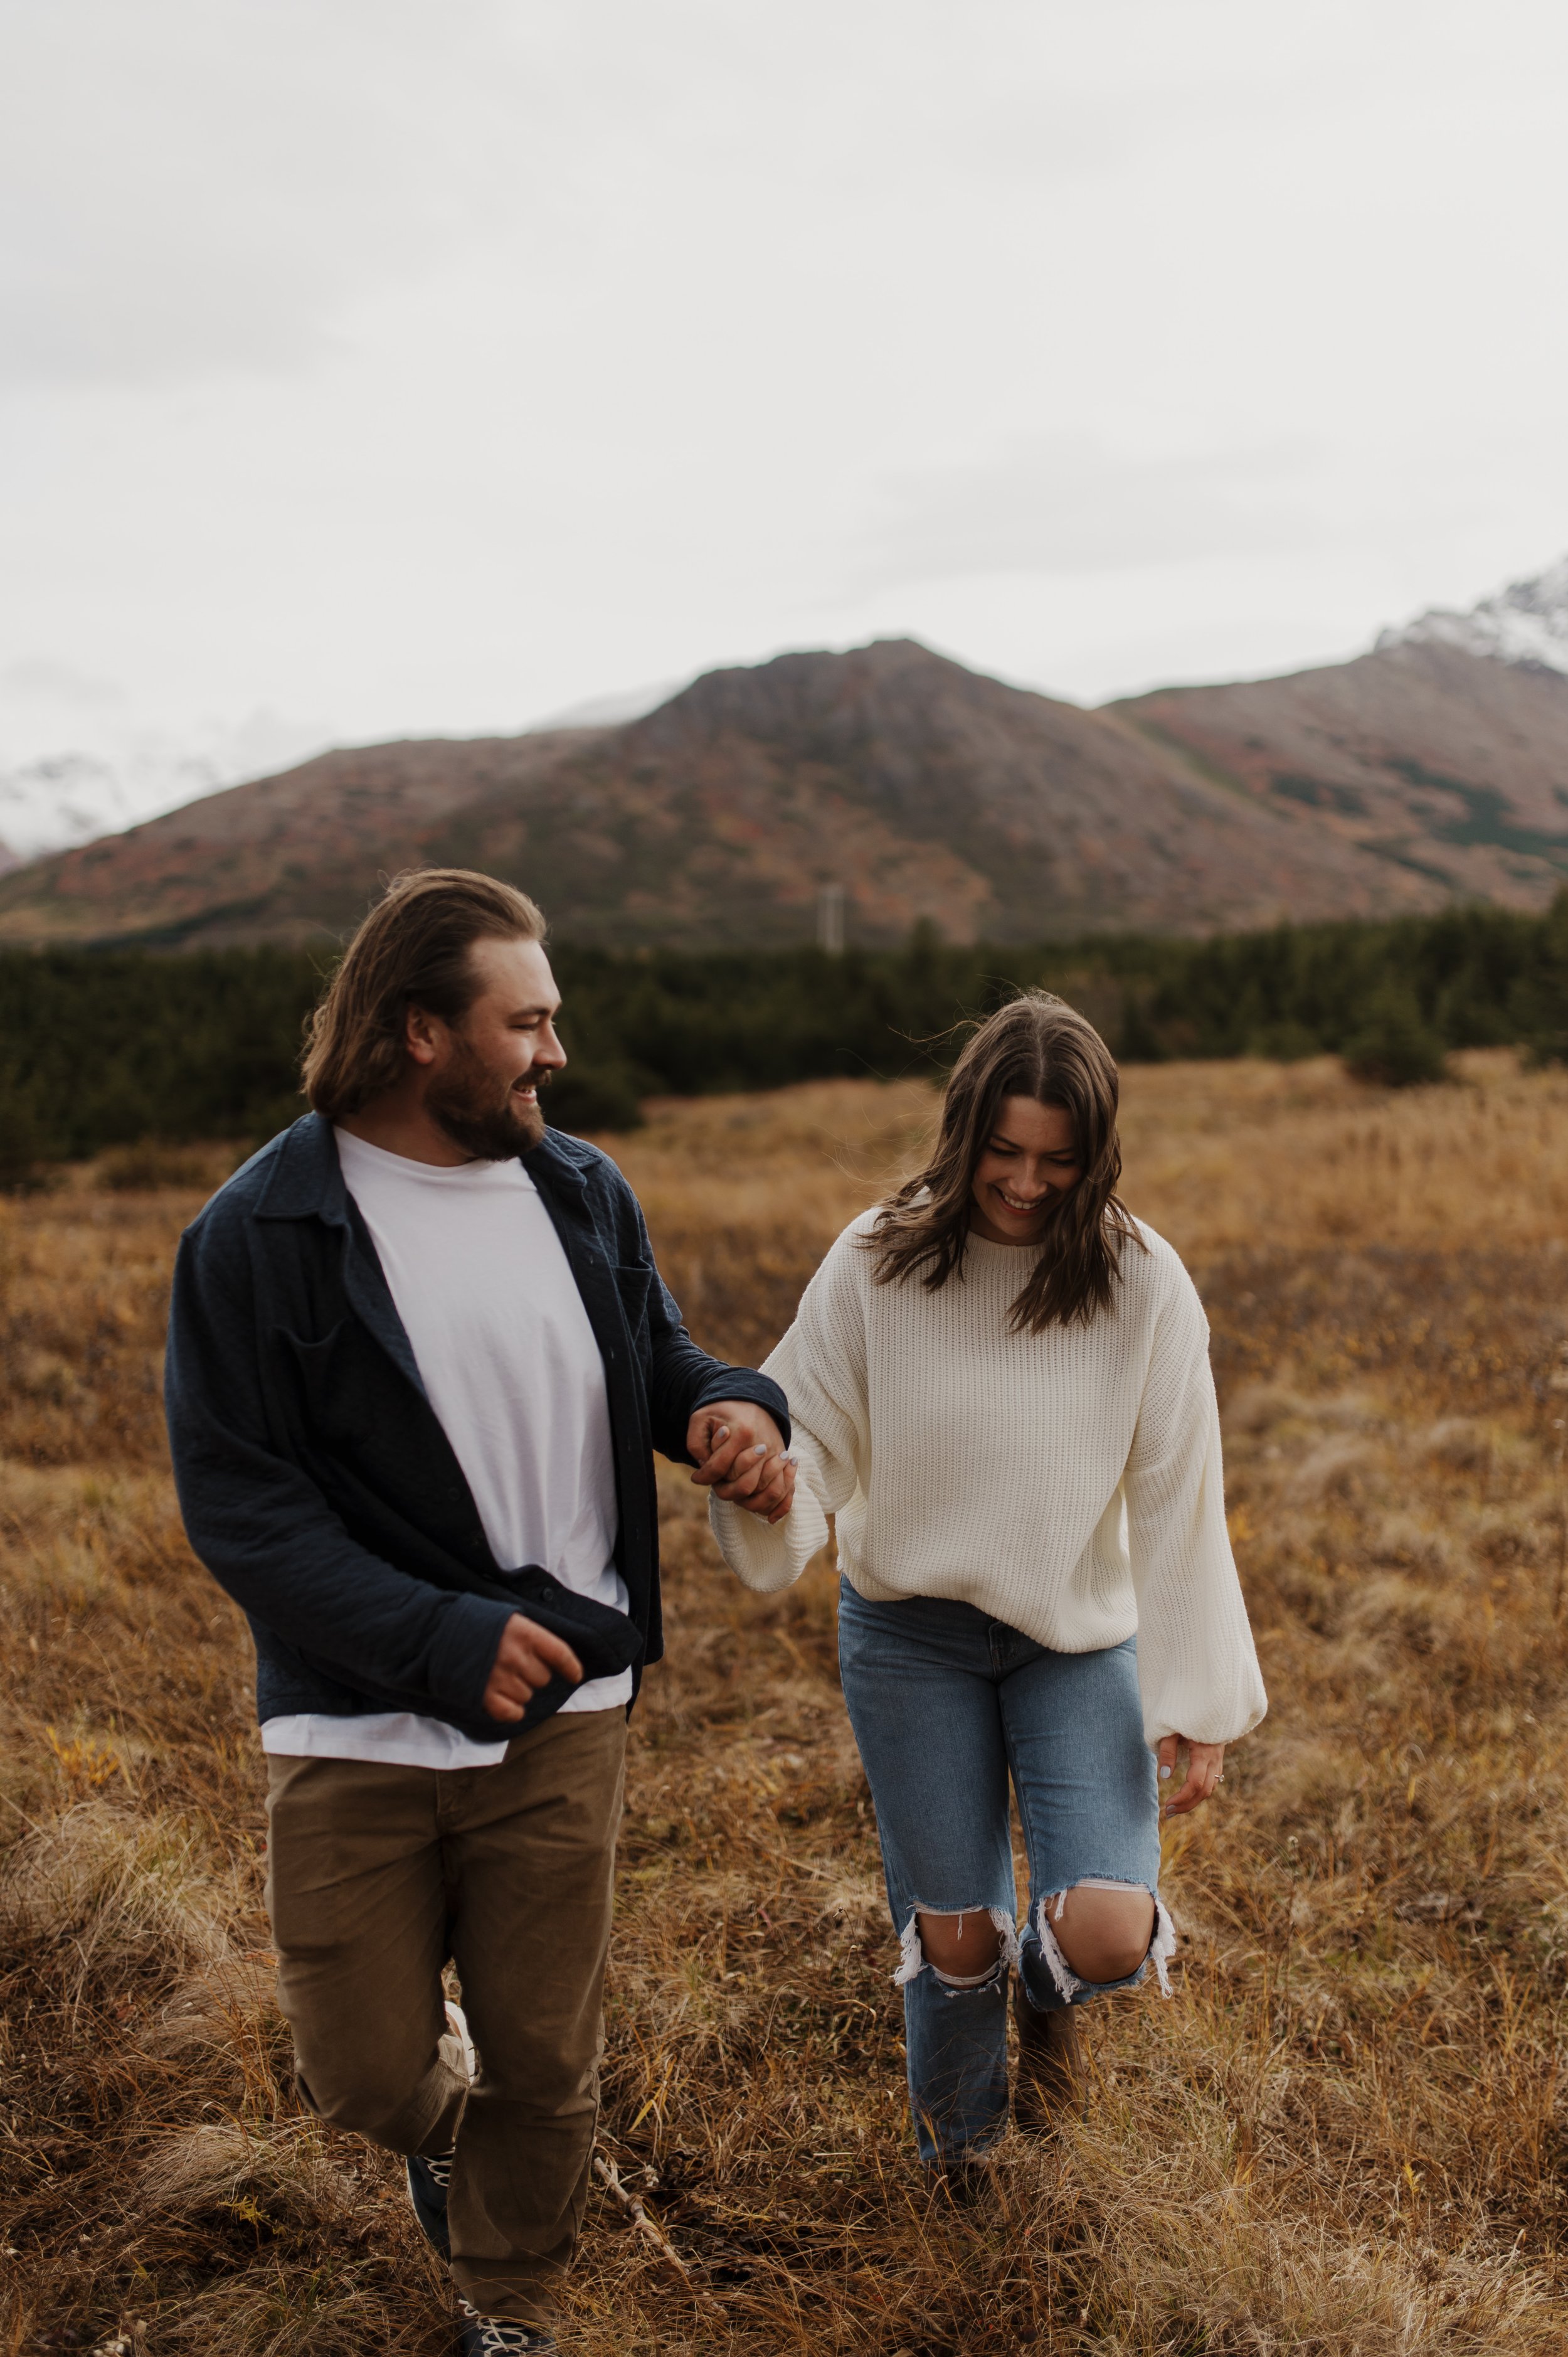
x=739 y=1452
x=1204 y=1769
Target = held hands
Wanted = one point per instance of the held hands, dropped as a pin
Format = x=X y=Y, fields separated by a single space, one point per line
x=526 y=1657
x=1204 y=1769
x=740 y=1456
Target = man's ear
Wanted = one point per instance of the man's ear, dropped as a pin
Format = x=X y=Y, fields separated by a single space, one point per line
x=420 y=1035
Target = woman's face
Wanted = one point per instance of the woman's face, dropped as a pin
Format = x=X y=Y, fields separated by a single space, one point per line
x=1028 y=1166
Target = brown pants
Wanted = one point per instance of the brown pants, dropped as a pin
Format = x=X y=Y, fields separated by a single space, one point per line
x=376 y=1875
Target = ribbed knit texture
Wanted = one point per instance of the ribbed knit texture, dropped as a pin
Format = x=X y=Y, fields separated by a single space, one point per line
x=1068 y=1484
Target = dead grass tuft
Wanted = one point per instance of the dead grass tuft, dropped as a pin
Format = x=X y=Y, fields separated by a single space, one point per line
x=281 y=2172
x=119 y=1888
x=1460 y=1443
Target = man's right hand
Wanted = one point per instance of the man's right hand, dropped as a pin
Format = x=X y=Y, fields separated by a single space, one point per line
x=526 y=1657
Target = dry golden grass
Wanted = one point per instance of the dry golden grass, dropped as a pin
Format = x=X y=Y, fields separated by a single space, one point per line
x=1344 y=2133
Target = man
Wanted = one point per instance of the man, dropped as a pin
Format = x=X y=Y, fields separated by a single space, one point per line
x=419 y=1358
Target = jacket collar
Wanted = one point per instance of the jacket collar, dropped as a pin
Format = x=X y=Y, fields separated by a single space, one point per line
x=553 y=1164
x=306 y=1181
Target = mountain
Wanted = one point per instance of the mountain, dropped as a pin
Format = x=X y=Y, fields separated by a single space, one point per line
x=1525 y=623
x=292 y=859
x=78 y=760
x=1433 y=769
x=1442 y=754
x=922 y=789
x=56 y=799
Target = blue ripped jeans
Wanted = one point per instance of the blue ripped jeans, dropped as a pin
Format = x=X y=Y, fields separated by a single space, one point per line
x=948 y=1706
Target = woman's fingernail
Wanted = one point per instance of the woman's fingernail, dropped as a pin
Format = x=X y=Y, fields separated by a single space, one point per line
x=1164 y=1773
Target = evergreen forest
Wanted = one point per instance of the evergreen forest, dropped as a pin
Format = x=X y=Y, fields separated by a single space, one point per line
x=102 y=1049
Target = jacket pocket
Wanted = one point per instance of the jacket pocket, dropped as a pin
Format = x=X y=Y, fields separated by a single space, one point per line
x=635 y=1286
x=334 y=1393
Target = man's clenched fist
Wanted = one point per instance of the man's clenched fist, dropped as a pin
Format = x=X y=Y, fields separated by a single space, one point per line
x=526 y=1657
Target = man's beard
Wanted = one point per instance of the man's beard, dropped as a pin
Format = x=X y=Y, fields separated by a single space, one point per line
x=481 y=1113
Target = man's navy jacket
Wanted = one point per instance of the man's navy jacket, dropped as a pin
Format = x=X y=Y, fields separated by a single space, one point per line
x=316 y=1482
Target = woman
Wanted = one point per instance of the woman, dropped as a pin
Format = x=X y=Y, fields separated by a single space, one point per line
x=1000 y=1386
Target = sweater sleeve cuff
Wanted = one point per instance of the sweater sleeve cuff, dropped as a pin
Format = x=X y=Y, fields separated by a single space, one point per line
x=766 y=1557
x=1207 y=1717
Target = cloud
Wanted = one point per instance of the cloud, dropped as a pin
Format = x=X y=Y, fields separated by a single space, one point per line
x=427 y=367
x=198 y=186
x=1064 y=505
x=78 y=760
x=38 y=682
x=190 y=184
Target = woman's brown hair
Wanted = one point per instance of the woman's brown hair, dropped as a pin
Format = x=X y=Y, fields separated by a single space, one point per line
x=1037 y=1047
x=413 y=950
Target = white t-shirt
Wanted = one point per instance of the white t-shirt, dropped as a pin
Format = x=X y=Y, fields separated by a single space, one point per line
x=509 y=1361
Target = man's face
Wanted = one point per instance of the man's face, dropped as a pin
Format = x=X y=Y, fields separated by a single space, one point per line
x=483 y=1086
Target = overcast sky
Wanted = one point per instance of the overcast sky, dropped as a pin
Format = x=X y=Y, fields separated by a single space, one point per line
x=386 y=366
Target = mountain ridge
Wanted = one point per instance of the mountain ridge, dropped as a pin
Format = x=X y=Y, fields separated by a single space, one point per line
x=1429 y=769
x=1448 y=762
x=1526 y=623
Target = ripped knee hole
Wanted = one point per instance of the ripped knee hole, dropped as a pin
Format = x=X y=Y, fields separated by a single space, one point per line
x=991 y=1945
x=1105 y=1944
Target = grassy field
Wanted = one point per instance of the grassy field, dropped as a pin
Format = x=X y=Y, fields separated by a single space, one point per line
x=1344 y=2133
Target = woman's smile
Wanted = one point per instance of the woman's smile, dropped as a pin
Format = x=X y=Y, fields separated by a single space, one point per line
x=1030 y=1162
x=1014 y=1203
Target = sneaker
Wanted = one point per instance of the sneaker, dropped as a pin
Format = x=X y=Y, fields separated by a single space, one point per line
x=430 y=2175
x=429 y=2183
x=499 y=2336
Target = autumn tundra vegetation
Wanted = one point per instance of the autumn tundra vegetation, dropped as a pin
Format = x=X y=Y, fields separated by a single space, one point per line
x=1343 y=2134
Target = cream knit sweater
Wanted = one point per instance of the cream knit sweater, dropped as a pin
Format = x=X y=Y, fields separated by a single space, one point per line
x=1067 y=1482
